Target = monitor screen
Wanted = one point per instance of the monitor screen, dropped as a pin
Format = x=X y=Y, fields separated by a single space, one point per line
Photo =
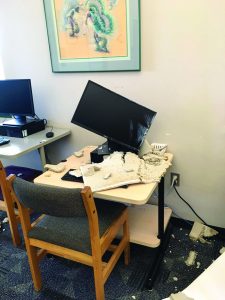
x=16 y=98
x=113 y=116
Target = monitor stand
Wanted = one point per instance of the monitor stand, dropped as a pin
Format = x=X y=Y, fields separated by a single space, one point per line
x=107 y=148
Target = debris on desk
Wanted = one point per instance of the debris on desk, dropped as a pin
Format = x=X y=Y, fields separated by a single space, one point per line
x=97 y=168
x=76 y=173
x=47 y=174
x=114 y=165
x=190 y=261
x=125 y=168
x=107 y=175
x=90 y=171
x=79 y=153
x=55 y=168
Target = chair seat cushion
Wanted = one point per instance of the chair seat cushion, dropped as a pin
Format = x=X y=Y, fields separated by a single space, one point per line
x=25 y=173
x=73 y=233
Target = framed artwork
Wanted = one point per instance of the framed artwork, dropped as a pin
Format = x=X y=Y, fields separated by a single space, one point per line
x=93 y=35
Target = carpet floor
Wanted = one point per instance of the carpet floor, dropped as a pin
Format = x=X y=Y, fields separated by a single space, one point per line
x=66 y=280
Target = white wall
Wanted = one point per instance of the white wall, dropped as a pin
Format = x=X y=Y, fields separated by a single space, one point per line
x=182 y=78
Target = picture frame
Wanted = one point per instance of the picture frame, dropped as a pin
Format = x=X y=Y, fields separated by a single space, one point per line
x=93 y=35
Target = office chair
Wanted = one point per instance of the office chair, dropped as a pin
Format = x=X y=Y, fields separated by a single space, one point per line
x=74 y=226
x=6 y=204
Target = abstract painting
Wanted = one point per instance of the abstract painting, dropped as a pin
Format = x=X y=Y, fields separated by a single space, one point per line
x=93 y=35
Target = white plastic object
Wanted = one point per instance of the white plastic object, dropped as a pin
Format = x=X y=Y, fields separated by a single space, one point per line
x=159 y=149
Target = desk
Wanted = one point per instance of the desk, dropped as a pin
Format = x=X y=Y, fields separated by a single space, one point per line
x=36 y=141
x=147 y=222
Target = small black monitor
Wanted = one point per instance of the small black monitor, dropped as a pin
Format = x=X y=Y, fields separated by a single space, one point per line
x=123 y=122
x=16 y=100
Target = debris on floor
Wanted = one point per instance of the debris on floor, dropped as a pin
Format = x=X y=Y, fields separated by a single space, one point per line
x=200 y=231
x=222 y=250
x=190 y=261
x=180 y=296
x=5 y=220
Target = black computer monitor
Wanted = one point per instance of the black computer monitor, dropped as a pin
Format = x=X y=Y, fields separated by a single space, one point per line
x=16 y=100
x=123 y=122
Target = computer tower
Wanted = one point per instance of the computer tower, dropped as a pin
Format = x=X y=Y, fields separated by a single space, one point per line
x=21 y=131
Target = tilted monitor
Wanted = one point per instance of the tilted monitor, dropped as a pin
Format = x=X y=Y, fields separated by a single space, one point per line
x=123 y=122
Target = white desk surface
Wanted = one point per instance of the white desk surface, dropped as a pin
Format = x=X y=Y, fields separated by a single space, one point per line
x=137 y=194
x=20 y=146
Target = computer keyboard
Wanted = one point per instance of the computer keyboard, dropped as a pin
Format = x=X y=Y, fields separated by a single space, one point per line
x=4 y=140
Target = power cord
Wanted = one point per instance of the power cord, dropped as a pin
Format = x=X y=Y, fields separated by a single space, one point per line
x=188 y=205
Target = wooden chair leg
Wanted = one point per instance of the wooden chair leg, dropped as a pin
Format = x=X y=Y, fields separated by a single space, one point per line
x=34 y=266
x=127 y=249
x=99 y=282
x=13 y=223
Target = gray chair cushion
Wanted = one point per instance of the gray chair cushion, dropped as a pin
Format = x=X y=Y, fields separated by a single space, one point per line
x=73 y=233
x=50 y=200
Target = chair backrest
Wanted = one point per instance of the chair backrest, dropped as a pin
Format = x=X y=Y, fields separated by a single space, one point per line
x=50 y=200
x=3 y=183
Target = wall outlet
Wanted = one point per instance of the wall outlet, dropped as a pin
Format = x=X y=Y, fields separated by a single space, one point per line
x=174 y=179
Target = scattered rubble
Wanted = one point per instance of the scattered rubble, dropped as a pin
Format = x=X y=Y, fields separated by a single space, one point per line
x=191 y=258
x=222 y=250
x=180 y=296
x=200 y=231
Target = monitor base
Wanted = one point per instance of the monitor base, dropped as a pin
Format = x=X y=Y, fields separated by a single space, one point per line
x=108 y=148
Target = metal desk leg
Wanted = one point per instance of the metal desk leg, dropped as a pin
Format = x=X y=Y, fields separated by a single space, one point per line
x=158 y=253
x=42 y=156
x=161 y=209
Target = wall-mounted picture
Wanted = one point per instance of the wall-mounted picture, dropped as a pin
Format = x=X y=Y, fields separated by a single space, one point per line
x=93 y=35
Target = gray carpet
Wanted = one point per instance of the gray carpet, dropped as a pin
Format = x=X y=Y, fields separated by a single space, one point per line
x=63 y=279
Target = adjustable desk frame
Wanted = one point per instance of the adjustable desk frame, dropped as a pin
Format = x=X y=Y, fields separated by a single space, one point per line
x=136 y=194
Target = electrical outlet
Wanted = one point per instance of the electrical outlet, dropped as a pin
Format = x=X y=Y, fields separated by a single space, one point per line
x=174 y=179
